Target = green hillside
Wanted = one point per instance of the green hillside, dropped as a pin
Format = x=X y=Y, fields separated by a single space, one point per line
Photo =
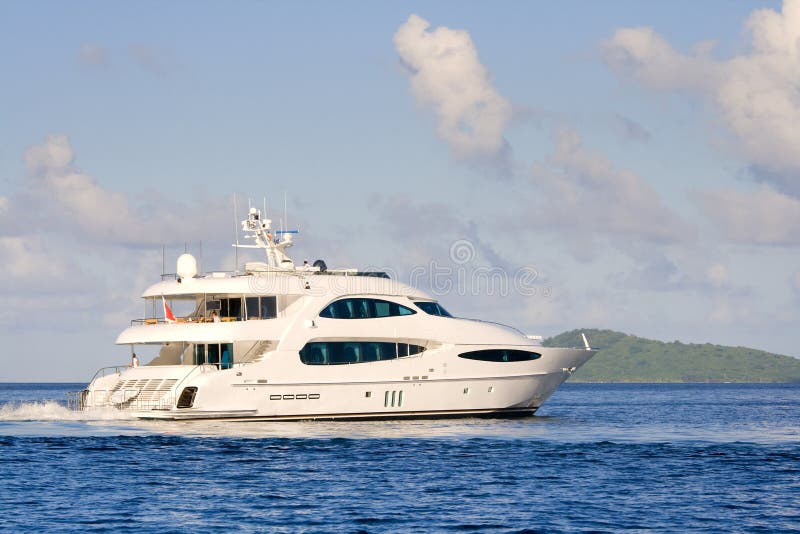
x=626 y=358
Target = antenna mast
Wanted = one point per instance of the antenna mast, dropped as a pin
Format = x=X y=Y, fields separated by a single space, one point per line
x=236 y=237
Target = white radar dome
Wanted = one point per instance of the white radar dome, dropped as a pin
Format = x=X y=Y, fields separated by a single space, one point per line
x=187 y=267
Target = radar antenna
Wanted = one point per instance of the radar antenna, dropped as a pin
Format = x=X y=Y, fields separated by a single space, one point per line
x=274 y=244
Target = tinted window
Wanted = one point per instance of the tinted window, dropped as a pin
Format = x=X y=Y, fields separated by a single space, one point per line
x=214 y=353
x=501 y=355
x=340 y=352
x=269 y=307
x=433 y=308
x=362 y=308
x=261 y=307
x=231 y=307
x=251 y=303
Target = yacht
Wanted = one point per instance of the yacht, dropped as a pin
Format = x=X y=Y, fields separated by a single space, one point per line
x=279 y=341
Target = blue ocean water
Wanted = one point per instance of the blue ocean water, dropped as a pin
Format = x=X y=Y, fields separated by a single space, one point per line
x=597 y=457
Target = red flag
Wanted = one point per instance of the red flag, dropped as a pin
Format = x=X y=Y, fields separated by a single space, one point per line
x=168 y=315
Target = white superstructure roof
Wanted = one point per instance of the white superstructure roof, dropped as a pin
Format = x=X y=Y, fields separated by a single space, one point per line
x=279 y=283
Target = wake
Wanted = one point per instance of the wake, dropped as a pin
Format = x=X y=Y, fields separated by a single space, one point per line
x=55 y=411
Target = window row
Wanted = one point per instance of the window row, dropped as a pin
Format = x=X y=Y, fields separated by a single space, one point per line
x=500 y=355
x=245 y=308
x=340 y=352
x=364 y=308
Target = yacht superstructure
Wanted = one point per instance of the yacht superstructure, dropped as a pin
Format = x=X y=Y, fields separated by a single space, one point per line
x=287 y=342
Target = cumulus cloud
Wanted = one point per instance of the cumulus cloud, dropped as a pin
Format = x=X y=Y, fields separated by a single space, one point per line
x=99 y=213
x=428 y=230
x=644 y=55
x=64 y=235
x=757 y=94
x=447 y=76
x=14 y=221
x=93 y=55
x=764 y=217
x=585 y=191
x=24 y=257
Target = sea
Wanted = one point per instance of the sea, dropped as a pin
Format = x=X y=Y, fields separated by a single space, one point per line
x=596 y=458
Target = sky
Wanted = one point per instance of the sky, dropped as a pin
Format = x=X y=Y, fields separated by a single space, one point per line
x=626 y=165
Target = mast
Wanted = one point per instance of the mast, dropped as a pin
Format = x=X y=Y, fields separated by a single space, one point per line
x=259 y=229
x=236 y=237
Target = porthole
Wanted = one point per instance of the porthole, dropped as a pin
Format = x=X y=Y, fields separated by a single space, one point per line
x=500 y=355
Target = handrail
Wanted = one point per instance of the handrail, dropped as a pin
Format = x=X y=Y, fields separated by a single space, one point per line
x=517 y=330
x=187 y=375
x=183 y=320
x=104 y=369
x=260 y=344
x=174 y=276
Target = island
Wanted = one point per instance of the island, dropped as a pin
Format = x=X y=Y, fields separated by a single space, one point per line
x=627 y=358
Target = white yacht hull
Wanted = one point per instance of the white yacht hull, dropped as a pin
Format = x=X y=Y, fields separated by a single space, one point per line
x=427 y=386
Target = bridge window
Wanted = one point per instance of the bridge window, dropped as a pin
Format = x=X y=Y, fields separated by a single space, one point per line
x=364 y=308
x=341 y=352
x=261 y=307
x=500 y=355
x=231 y=307
x=433 y=308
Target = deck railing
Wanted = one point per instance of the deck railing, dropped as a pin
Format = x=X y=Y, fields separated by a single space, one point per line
x=85 y=399
x=182 y=320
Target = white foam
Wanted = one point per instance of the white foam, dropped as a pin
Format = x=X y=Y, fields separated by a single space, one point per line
x=53 y=411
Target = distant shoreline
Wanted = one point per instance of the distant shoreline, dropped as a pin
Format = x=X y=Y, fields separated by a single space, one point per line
x=624 y=359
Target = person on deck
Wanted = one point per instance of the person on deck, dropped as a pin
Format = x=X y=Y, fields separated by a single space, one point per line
x=134 y=360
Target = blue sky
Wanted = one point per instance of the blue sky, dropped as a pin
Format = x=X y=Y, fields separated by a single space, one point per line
x=640 y=158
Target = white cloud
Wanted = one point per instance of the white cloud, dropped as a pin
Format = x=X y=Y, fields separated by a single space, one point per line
x=644 y=55
x=757 y=94
x=26 y=258
x=764 y=217
x=93 y=55
x=586 y=192
x=447 y=75
x=105 y=215
x=54 y=155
